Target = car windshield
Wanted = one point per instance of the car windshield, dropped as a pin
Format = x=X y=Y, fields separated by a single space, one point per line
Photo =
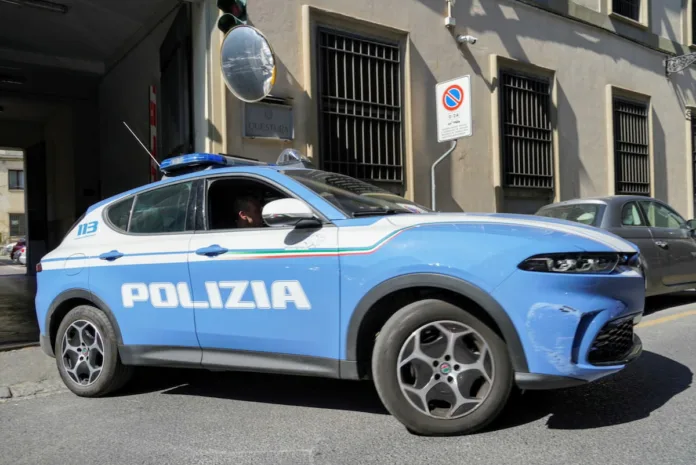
x=353 y=197
x=585 y=213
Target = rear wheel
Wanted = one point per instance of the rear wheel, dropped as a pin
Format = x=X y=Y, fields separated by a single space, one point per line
x=439 y=370
x=87 y=353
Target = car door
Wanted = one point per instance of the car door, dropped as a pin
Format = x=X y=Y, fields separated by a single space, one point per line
x=261 y=291
x=632 y=226
x=674 y=239
x=140 y=270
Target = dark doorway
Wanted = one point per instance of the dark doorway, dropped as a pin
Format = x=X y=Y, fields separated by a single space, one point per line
x=175 y=82
x=36 y=204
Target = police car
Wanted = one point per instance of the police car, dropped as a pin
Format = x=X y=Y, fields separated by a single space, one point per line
x=230 y=263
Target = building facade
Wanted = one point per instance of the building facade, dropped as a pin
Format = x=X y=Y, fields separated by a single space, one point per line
x=569 y=98
x=12 y=218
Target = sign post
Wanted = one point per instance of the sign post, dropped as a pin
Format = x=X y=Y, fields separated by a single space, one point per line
x=453 y=101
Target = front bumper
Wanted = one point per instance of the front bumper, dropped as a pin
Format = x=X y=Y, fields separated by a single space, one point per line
x=573 y=328
x=534 y=381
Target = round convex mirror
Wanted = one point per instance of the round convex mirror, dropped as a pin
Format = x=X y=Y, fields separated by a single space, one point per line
x=248 y=64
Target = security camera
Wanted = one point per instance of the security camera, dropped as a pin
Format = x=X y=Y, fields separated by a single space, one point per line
x=466 y=39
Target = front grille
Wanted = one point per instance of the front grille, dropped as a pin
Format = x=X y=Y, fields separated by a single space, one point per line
x=613 y=343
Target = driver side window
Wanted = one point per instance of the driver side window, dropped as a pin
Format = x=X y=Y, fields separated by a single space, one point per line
x=237 y=202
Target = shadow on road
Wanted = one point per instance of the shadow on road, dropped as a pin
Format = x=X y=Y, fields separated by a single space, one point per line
x=256 y=387
x=633 y=394
x=663 y=302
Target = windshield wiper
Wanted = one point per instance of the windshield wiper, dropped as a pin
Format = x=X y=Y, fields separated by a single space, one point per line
x=385 y=211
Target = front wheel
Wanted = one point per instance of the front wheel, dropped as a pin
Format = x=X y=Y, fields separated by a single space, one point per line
x=439 y=370
x=87 y=353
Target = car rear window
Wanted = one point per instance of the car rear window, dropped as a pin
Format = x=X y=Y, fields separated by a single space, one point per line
x=585 y=213
x=162 y=210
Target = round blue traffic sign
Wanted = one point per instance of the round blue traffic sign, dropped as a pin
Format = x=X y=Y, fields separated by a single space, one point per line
x=453 y=97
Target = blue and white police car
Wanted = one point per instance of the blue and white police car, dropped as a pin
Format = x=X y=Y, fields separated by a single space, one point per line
x=230 y=263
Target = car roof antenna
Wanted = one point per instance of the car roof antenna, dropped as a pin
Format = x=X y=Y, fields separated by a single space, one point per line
x=143 y=145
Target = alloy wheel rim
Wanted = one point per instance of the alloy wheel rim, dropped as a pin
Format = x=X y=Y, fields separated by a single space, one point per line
x=445 y=369
x=83 y=353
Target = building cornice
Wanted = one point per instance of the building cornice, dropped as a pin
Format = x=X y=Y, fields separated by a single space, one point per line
x=642 y=36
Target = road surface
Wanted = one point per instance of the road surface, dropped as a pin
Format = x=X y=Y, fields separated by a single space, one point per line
x=643 y=416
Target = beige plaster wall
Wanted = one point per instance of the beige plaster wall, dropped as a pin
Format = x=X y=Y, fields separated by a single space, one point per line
x=585 y=61
x=11 y=201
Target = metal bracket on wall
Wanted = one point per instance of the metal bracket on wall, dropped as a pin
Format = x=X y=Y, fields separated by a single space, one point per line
x=679 y=63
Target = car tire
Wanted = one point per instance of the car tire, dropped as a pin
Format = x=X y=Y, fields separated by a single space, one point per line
x=87 y=353
x=396 y=342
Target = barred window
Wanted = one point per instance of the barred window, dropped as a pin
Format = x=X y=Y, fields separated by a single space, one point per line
x=627 y=8
x=693 y=149
x=17 y=225
x=693 y=21
x=631 y=147
x=360 y=107
x=527 y=133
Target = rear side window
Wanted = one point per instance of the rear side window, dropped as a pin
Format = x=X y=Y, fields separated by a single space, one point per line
x=119 y=214
x=585 y=213
x=162 y=210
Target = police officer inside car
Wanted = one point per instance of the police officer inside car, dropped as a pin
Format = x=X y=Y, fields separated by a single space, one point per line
x=247 y=211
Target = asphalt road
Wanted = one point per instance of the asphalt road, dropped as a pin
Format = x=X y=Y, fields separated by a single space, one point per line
x=645 y=415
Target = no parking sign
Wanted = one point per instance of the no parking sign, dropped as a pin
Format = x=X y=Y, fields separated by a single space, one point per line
x=453 y=100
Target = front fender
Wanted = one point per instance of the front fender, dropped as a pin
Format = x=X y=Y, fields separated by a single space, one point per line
x=471 y=258
x=449 y=283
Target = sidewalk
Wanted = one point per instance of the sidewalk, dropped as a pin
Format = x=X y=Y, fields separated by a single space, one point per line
x=17 y=315
x=28 y=372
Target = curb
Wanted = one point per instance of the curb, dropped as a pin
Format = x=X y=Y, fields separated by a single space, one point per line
x=19 y=345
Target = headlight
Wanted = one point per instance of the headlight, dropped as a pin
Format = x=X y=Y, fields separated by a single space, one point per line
x=577 y=263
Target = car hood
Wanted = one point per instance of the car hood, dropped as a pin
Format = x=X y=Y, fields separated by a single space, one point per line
x=567 y=229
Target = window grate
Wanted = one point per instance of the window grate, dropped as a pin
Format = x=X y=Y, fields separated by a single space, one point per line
x=18 y=225
x=693 y=150
x=631 y=147
x=360 y=107
x=527 y=142
x=628 y=8
x=693 y=21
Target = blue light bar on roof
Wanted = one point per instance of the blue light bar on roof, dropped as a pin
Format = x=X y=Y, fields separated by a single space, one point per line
x=200 y=161
x=183 y=161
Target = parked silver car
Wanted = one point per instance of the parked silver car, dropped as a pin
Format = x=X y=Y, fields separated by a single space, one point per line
x=666 y=241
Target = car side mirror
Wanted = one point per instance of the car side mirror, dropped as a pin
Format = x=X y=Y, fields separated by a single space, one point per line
x=691 y=224
x=289 y=212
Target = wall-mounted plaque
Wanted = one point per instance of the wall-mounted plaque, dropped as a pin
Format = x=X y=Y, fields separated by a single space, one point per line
x=268 y=121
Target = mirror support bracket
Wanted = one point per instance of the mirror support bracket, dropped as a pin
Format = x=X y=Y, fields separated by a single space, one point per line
x=679 y=63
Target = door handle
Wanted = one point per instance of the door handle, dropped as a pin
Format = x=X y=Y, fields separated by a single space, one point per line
x=662 y=244
x=111 y=256
x=211 y=251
